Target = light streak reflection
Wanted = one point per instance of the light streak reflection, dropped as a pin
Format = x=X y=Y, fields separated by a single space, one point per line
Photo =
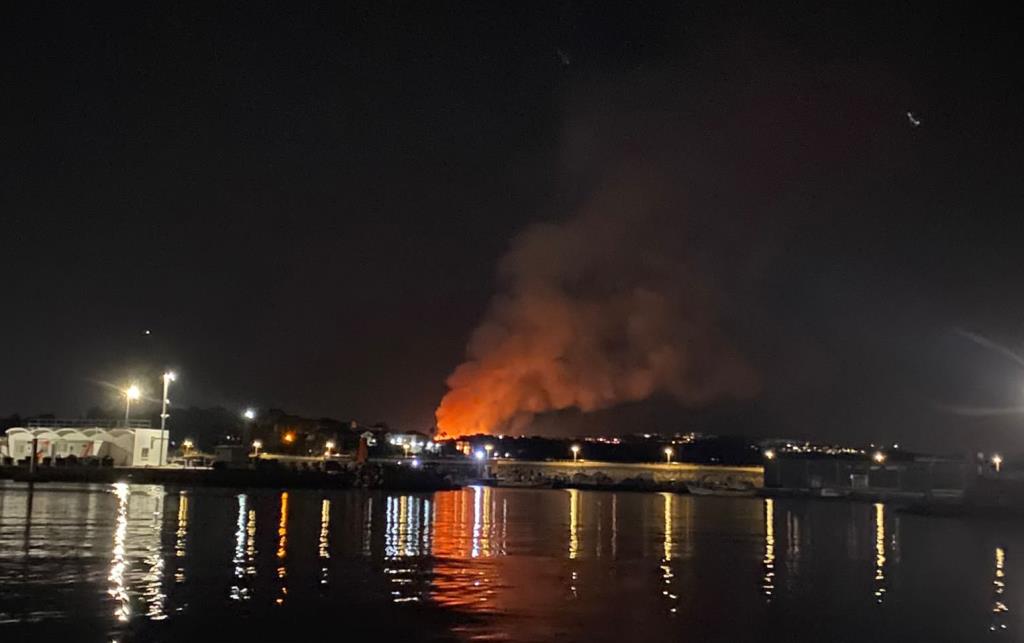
x=119 y=562
x=768 y=583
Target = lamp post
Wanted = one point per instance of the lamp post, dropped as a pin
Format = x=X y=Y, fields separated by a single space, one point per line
x=488 y=448
x=256 y=446
x=997 y=462
x=168 y=377
x=575 y=452
x=248 y=415
x=328 y=448
x=131 y=393
x=668 y=455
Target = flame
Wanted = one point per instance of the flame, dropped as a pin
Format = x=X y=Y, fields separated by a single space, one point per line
x=602 y=309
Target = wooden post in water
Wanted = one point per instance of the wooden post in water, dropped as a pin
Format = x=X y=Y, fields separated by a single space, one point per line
x=32 y=460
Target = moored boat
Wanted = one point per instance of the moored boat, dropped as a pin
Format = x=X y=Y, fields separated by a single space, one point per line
x=718 y=488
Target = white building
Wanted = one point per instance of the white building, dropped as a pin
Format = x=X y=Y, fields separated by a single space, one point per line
x=132 y=447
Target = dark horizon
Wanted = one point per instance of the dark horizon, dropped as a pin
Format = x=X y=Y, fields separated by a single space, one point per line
x=314 y=208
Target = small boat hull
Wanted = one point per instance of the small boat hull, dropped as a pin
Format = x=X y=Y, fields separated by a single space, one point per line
x=701 y=490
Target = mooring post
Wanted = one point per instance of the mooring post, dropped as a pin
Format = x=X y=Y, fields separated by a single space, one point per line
x=32 y=460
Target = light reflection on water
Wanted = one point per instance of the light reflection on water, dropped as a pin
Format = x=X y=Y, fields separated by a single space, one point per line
x=504 y=564
x=769 y=548
x=879 y=552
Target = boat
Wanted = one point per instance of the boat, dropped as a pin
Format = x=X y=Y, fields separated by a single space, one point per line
x=721 y=488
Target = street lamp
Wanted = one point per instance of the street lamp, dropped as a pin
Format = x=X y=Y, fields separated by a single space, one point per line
x=997 y=462
x=329 y=447
x=769 y=454
x=131 y=393
x=248 y=415
x=187 y=446
x=488 y=448
x=256 y=446
x=168 y=377
x=668 y=455
x=575 y=452
x=878 y=457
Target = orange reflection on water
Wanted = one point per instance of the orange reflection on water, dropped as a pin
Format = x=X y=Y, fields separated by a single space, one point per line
x=463 y=523
x=463 y=528
x=574 y=523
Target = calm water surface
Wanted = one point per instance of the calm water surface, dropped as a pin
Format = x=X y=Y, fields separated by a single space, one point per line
x=152 y=563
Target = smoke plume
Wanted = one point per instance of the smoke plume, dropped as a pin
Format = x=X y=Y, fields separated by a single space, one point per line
x=604 y=308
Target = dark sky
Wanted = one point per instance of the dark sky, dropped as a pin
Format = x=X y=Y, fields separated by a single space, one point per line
x=307 y=205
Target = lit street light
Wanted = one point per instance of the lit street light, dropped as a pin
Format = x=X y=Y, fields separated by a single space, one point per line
x=479 y=455
x=329 y=447
x=997 y=462
x=131 y=393
x=668 y=455
x=168 y=377
x=878 y=457
x=575 y=452
x=248 y=415
x=187 y=446
x=769 y=454
x=256 y=446
x=488 y=448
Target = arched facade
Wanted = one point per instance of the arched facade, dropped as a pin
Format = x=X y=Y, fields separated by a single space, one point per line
x=126 y=447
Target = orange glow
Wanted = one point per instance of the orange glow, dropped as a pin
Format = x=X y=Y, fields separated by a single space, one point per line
x=584 y=321
x=289 y=437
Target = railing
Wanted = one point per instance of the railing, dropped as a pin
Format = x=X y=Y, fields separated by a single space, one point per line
x=82 y=423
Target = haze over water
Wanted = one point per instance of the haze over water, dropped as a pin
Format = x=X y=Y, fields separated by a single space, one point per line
x=143 y=562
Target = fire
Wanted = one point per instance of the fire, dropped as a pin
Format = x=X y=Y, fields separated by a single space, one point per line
x=601 y=309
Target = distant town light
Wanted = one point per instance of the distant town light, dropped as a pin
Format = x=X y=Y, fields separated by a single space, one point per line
x=769 y=454
x=479 y=455
x=416 y=463
x=249 y=414
x=878 y=457
x=289 y=437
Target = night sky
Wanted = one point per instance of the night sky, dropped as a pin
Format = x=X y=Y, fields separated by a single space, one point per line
x=308 y=206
